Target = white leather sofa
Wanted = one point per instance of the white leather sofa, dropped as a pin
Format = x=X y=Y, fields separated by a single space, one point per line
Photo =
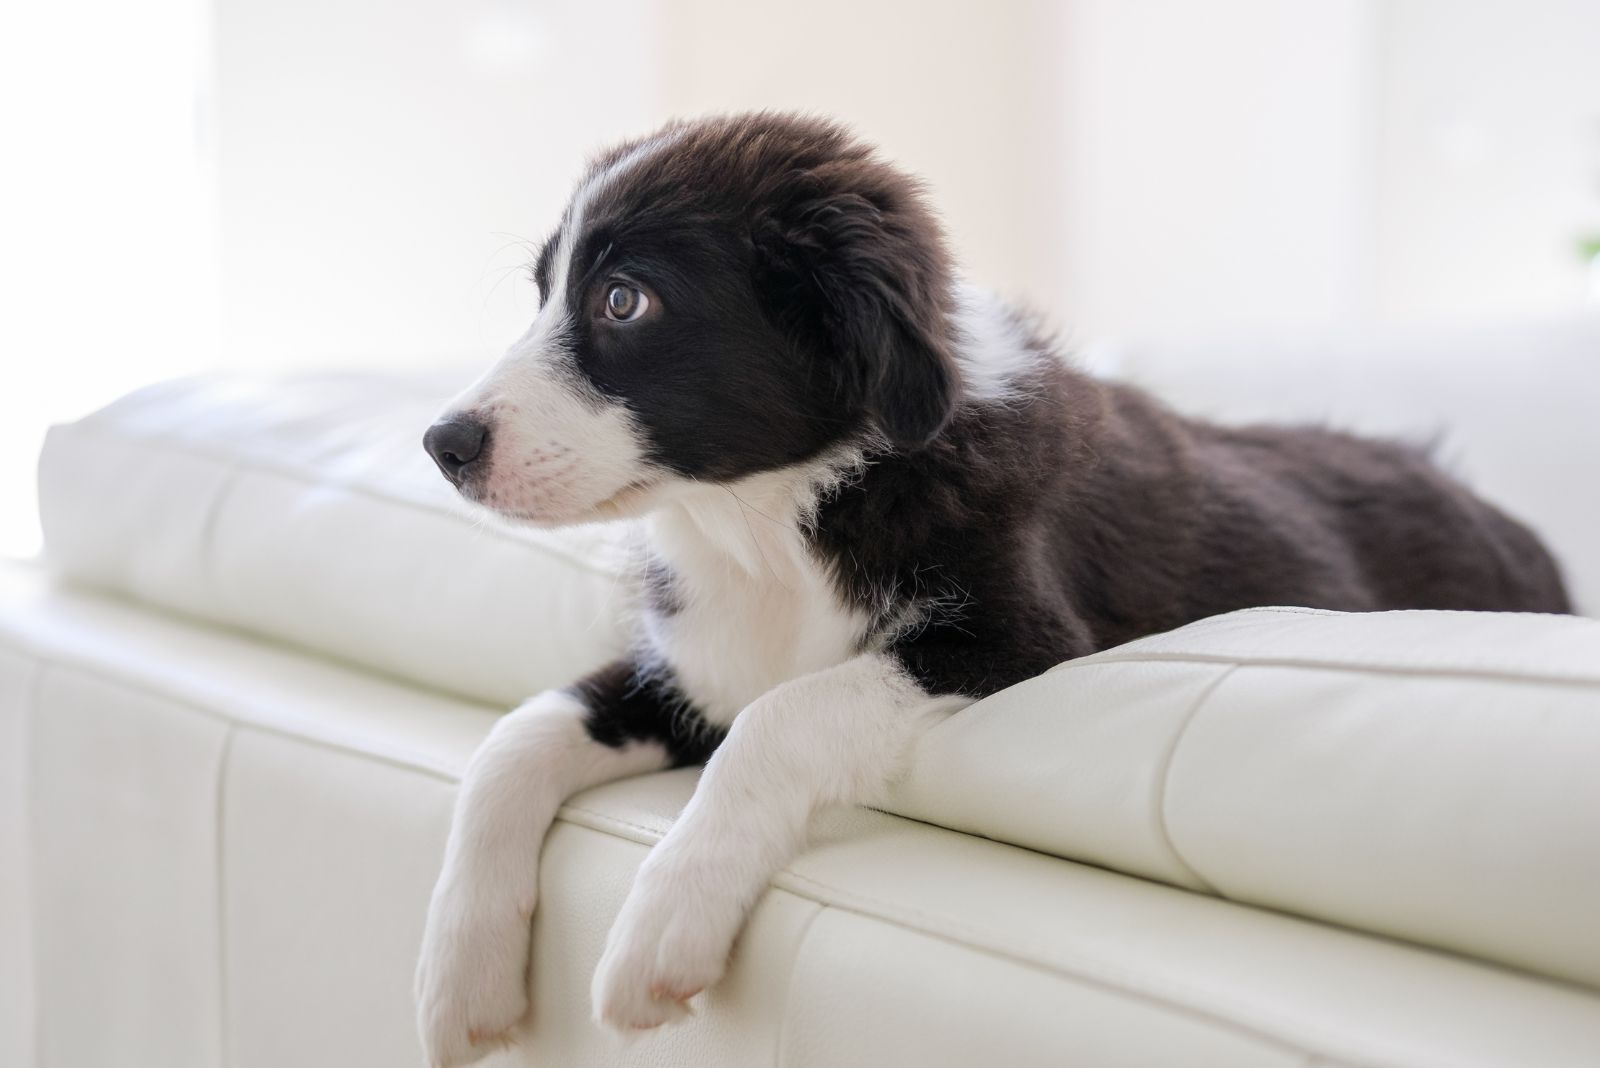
x=234 y=709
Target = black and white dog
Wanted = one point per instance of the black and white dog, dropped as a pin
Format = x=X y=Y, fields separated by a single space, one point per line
x=870 y=496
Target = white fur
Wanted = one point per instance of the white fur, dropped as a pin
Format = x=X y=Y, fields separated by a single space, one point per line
x=992 y=347
x=471 y=984
x=837 y=735
x=756 y=608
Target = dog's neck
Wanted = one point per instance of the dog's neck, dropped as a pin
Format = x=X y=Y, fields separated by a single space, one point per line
x=754 y=528
x=751 y=604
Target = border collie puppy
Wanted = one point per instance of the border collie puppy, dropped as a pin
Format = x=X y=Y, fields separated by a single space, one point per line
x=869 y=496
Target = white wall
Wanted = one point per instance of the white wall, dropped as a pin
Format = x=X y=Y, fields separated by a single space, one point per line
x=381 y=163
x=1220 y=165
x=1252 y=166
x=1489 y=159
x=376 y=158
x=1133 y=167
x=106 y=275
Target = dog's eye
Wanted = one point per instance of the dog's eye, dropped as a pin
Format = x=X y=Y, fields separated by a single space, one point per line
x=625 y=303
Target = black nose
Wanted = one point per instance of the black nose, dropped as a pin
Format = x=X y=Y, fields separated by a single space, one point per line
x=454 y=443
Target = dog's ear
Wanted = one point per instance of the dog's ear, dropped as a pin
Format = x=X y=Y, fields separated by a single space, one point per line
x=852 y=262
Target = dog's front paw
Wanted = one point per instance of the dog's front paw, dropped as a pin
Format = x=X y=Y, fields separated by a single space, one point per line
x=472 y=980
x=669 y=943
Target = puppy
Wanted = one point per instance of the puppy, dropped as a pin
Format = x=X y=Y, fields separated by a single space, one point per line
x=870 y=496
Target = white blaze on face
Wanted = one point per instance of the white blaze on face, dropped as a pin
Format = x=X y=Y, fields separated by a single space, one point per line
x=558 y=450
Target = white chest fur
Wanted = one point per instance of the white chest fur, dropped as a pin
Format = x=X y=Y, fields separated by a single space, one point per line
x=749 y=607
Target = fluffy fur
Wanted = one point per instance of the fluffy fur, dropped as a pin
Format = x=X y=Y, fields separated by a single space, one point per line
x=869 y=495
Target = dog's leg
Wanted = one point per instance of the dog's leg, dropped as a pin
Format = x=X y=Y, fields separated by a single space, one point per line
x=471 y=983
x=838 y=735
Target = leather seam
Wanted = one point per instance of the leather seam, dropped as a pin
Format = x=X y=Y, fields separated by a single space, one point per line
x=1111 y=980
x=1163 y=781
x=239 y=723
x=225 y=1021
x=1351 y=667
x=36 y=1045
x=1094 y=973
x=788 y=984
x=192 y=619
x=605 y=823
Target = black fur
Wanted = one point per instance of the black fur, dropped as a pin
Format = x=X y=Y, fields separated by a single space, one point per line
x=1091 y=516
x=844 y=264
x=629 y=704
x=810 y=306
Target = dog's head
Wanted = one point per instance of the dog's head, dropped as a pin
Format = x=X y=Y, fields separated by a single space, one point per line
x=727 y=297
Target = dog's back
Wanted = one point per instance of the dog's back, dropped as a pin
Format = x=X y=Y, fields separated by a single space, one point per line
x=1417 y=537
x=1098 y=515
x=1241 y=517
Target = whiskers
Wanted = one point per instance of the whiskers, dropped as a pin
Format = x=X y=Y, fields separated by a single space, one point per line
x=524 y=265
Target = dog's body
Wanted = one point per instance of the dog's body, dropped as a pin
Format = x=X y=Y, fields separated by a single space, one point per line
x=871 y=497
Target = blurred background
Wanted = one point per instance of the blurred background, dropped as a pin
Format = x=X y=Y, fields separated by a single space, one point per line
x=194 y=186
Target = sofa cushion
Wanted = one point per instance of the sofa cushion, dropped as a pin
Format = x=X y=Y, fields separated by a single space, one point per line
x=1427 y=775
x=305 y=510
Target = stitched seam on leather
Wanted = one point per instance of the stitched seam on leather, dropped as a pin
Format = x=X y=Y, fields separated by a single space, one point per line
x=126 y=600
x=1340 y=666
x=1163 y=781
x=232 y=727
x=606 y=823
x=30 y=714
x=188 y=704
x=224 y=1022
x=788 y=983
x=246 y=463
x=1097 y=973
x=1291 y=610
